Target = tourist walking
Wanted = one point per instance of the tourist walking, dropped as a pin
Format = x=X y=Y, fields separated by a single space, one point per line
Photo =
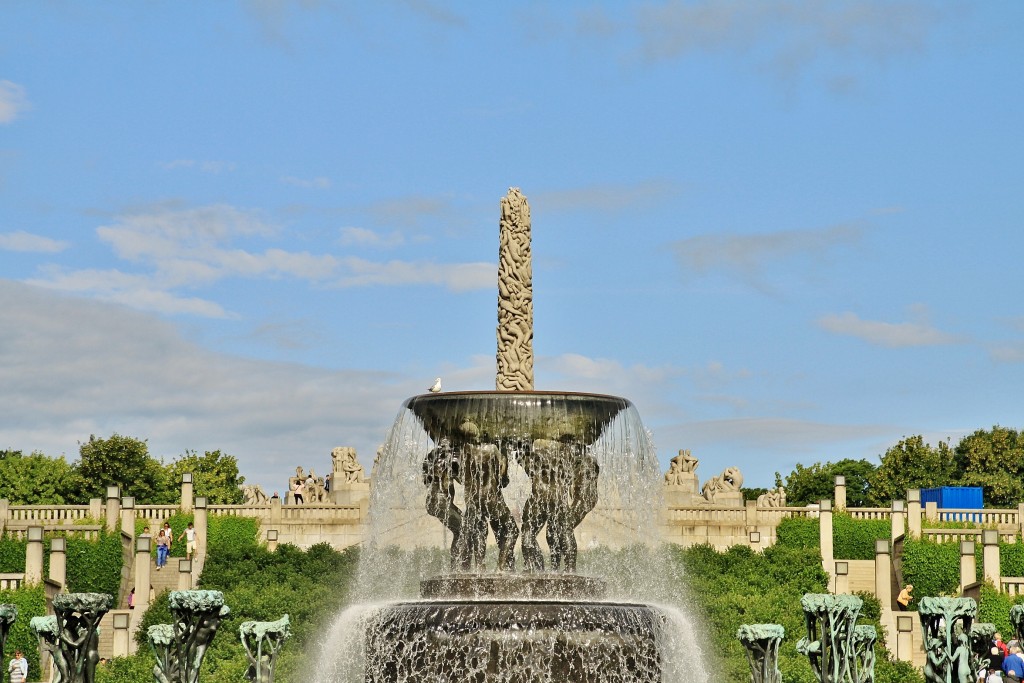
x=163 y=548
x=904 y=598
x=189 y=535
x=18 y=668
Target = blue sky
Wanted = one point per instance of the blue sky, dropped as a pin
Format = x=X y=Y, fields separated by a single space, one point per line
x=788 y=230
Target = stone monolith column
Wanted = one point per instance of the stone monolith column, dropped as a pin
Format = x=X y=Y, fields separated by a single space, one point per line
x=515 y=295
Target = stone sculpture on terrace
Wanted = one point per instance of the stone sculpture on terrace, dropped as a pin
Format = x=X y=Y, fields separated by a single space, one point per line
x=829 y=643
x=774 y=498
x=180 y=647
x=762 y=644
x=254 y=495
x=347 y=469
x=681 y=483
x=515 y=295
x=263 y=641
x=945 y=626
x=725 y=488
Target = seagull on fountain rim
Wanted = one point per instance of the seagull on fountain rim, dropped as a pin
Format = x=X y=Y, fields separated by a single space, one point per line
x=436 y=388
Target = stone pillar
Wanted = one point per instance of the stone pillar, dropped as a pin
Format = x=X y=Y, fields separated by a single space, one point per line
x=883 y=574
x=842 y=574
x=5 y=512
x=905 y=638
x=968 y=566
x=275 y=512
x=896 y=519
x=931 y=511
x=187 y=493
x=143 y=577
x=1020 y=519
x=271 y=540
x=122 y=634
x=914 y=513
x=128 y=515
x=113 y=507
x=184 y=575
x=34 y=556
x=840 y=494
x=825 y=539
x=58 y=561
x=990 y=557
x=200 y=521
x=96 y=508
x=515 y=295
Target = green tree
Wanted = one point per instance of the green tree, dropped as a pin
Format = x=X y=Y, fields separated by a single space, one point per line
x=215 y=475
x=122 y=461
x=993 y=460
x=38 y=479
x=912 y=464
x=806 y=485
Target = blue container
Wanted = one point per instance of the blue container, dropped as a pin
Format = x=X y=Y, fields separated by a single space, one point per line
x=954 y=497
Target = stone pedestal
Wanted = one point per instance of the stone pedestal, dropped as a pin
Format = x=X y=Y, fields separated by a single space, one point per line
x=128 y=516
x=990 y=557
x=122 y=634
x=34 y=556
x=729 y=499
x=968 y=565
x=914 y=513
x=58 y=561
x=883 y=567
x=113 y=509
x=187 y=493
x=349 y=493
x=684 y=491
x=840 y=492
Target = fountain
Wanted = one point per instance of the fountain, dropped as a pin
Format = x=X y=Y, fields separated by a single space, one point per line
x=464 y=478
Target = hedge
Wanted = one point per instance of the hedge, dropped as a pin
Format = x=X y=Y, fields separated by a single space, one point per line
x=932 y=568
x=854 y=539
x=31 y=602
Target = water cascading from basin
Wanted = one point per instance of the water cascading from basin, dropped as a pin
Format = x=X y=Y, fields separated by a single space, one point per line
x=513 y=535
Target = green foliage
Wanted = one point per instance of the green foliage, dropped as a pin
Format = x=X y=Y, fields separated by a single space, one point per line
x=215 y=476
x=234 y=534
x=123 y=461
x=854 y=539
x=259 y=585
x=95 y=566
x=912 y=464
x=37 y=479
x=127 y=669
x=806 y=485
x=798 y=532
x=12 y=555
x=31 y=602
x=740 y=586
x=1011 y=559
x=994 y=608
x=993 y=460
x=932 y=568
x=752 y=493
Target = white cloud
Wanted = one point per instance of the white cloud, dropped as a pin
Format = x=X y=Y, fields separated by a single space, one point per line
x=318 y=183
x=13 y=101
x=886 y=334
x=75 y=367
x=363 y=237
x=748 y=256
x=27 y=242
x=457 y=277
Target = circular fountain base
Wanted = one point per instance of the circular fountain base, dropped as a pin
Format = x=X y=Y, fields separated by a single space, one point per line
x=490 y=641
x=513 y=587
